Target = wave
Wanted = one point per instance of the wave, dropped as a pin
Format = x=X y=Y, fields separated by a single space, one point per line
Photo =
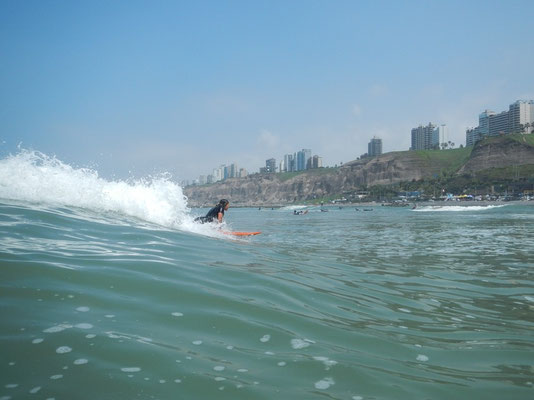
x=34 y=177
x=457 y=208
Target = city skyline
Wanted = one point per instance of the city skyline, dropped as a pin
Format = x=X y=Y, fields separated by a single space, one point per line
x=133 y=89
x=519 y=118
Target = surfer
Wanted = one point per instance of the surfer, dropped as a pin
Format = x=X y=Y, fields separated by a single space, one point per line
x=216 y=213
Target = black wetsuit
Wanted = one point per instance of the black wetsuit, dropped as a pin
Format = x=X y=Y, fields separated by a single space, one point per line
x=212 y=214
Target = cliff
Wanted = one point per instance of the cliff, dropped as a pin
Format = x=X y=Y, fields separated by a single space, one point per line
x=387 y=169
x=500 y=152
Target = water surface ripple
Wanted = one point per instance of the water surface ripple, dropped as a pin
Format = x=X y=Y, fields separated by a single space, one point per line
x=393 y=303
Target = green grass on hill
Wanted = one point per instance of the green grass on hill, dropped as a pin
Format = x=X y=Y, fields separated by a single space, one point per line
x=517 y=137
x=284 y=176
x=448 y=160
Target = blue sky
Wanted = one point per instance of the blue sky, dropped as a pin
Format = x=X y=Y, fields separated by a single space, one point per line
x=143 y=87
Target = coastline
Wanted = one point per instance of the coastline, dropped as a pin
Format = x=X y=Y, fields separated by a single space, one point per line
x=410 y=204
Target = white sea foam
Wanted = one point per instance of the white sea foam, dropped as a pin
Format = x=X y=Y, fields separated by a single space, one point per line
x=37 y=341
x=300 y=343
x=326 y=361
x=457 y=208
x=177 y=314
x=131 y=369
x=63 y=350
x=422 y=358
x=265 y=338
x=84 y=325
x=80 y=361
x=324 y=384
x=36 y=177
x=57 y=328
x=83 y=309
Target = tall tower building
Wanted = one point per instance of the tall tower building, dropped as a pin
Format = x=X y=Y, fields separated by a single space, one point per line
x=440 y=136
x=422 y=137
x=374 y=147
x=270 y=165
x=302 y=159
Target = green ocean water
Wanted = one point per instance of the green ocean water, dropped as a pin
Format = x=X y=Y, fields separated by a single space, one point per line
x=393 y=303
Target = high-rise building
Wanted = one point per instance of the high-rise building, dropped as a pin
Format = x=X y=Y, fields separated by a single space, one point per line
x=289 y=163
x=499 y=124
x=422 y=137
x=374 y=147
x=440 y=137
x=514 y=120
x=270 y=165
x=317 y=162
x=302 y=159
x=520 y=113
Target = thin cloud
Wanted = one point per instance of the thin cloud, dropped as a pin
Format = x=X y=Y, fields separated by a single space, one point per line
x=267 y=139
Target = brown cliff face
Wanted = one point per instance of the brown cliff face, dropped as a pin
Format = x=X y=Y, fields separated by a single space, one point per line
x=387 y=169
x=499 y=152
x=270 y=189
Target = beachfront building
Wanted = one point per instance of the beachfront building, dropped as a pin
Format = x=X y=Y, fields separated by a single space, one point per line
x=374 y=147
x=316 y=162
x=302 y=159
x=518 y=119
x=440 y=137
x=289 y=163
x=422 y=137
x=270 y=165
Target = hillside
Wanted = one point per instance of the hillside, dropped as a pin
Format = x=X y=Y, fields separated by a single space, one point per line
x=386 y=170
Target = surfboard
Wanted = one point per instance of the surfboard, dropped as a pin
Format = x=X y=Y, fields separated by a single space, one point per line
x=241 y=233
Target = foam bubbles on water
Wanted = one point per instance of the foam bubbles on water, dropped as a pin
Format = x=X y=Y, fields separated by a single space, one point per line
x=218 y=368
x=265 y=338
x=197 y=342
x=326 y=362
x=12 y=385
x=422 y=358
x=324 y=384
x=35 y=390
x=84 y=325
x=177 y=314
x=83 y=309
x=282 y=364
x=37 y=341
x=56 y=377
x=90 y=336
x=80 y=361
x=300 y=343
x=63 y=350
x=57 y=328
x=131 y=369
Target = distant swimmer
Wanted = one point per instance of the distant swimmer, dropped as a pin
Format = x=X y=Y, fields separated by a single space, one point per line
x=300 y=212
x=216 y=213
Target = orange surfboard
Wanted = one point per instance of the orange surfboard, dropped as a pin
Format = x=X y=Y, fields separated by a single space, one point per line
x=242 y=233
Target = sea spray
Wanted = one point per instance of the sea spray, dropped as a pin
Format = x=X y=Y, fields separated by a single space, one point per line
x=35 y=177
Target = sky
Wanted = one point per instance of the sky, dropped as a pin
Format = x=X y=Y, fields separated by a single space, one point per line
x=137 y=88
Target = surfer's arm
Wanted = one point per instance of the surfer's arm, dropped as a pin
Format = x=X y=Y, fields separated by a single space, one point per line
x=220 y=217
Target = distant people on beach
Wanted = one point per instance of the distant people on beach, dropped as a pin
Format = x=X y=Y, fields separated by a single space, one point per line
x=216 y=213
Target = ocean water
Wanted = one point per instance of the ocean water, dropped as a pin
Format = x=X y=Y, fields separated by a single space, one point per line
x=108 y=290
